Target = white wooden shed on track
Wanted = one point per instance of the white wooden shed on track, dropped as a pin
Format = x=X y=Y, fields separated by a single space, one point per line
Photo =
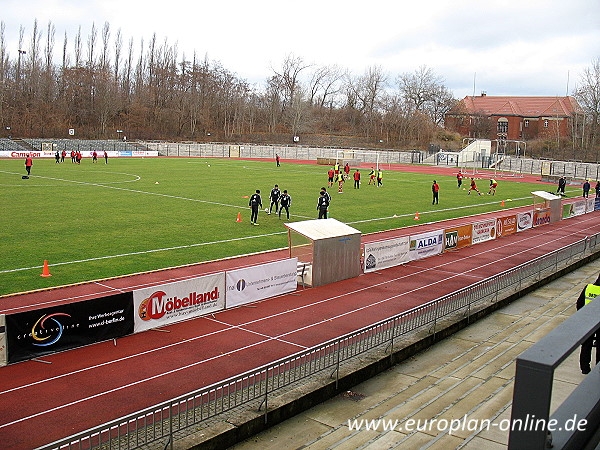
x=327 y=250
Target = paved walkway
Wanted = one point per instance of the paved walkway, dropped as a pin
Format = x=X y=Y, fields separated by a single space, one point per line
x=471 y=373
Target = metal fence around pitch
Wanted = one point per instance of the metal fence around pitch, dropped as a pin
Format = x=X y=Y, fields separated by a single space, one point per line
x=162 y=424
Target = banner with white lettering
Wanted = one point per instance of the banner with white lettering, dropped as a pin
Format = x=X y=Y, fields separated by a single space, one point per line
x=388 y=253
x=484 y=231
x=524 y=221
x=2 y=340
x=173 y=302
x=37 y=332
x=263 y=281
x=458 y=237
x=506 y=225
x=426 y=244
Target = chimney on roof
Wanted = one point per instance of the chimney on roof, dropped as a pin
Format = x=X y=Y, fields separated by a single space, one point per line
x=483 y=93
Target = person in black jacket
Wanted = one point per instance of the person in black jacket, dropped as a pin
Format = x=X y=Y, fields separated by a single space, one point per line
x=585 y=357
x=322 y=205
x=285 y=201
x=255 y=203
x=562 y=183
x=275 y=194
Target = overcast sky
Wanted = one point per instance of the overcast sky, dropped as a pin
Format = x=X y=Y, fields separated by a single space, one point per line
x=508 y=47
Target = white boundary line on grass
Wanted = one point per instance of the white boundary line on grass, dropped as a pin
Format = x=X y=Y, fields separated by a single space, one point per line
x=199 y=201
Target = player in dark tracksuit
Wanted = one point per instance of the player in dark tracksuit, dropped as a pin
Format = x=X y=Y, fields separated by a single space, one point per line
x=286 y=201
x=275 y=194
x=589 y=293
x=255 y=203
x=322 y=205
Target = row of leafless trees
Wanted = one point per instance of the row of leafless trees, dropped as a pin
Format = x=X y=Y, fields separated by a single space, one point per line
x=98 y=84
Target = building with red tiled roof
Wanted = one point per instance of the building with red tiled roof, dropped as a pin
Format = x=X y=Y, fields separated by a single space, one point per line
x=514 y=118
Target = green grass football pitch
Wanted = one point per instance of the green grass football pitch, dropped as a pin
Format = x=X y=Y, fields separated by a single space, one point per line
x=94 y=221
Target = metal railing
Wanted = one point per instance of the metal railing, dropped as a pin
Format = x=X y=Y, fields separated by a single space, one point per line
x=168 y=421
x=532 y=425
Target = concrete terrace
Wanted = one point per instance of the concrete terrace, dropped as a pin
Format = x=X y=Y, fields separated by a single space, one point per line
x=469 y=373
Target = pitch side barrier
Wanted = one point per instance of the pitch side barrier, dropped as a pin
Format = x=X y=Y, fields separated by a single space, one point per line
x=40 y=332
x=392 y=252
x=86 y=154
x=35 y=333
x=323 y=364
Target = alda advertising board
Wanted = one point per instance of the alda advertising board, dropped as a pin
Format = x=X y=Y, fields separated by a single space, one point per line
x=263 y=281
x=39 y=332
x=388 y=253
x=426 y=244
x=173 y=302
x=484 y=231
x=459 y=237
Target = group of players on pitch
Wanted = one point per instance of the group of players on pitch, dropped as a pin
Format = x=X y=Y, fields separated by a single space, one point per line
x=473 y=186
x=335 y=174
x=280 y=200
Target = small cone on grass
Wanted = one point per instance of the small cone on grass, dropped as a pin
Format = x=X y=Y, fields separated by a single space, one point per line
x=502 y=204
x=45 y=270
x=239 y=217
x=417 y=216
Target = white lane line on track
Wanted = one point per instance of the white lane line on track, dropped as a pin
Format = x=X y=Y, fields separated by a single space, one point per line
x=117 y=389
x=270 y=338
x=145 y=380
x=276 y=315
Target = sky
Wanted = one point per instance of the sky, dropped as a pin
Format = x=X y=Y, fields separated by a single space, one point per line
x=501 y=47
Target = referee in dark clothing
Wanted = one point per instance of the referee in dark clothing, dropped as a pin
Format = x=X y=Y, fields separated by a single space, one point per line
x=255 y=203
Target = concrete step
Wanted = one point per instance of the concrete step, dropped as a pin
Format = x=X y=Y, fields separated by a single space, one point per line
x=467 y=375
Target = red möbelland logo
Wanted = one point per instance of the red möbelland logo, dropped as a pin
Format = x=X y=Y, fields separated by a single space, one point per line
x=158 y=304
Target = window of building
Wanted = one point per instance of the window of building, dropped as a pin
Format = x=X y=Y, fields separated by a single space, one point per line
x=526 y=123
x=503 y=125
x=546 y=123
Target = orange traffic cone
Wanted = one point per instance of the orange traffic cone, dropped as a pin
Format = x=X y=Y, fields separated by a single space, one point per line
x=417 y=216
x=45 y=271
x=502 y=204
x=239 y=218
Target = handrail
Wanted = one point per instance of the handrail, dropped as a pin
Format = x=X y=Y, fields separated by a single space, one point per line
x=534 y=428
x=171 y=418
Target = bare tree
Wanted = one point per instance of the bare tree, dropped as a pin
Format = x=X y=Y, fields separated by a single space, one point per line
x=118 y=48
x=425 y=92
x=91 y=45
x=105 y=43
x=77 y=47
x=588 y=95
x=325 y=82
x=288 y=78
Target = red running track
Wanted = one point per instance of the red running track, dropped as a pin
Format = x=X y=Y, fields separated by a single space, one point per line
x=82 y=388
